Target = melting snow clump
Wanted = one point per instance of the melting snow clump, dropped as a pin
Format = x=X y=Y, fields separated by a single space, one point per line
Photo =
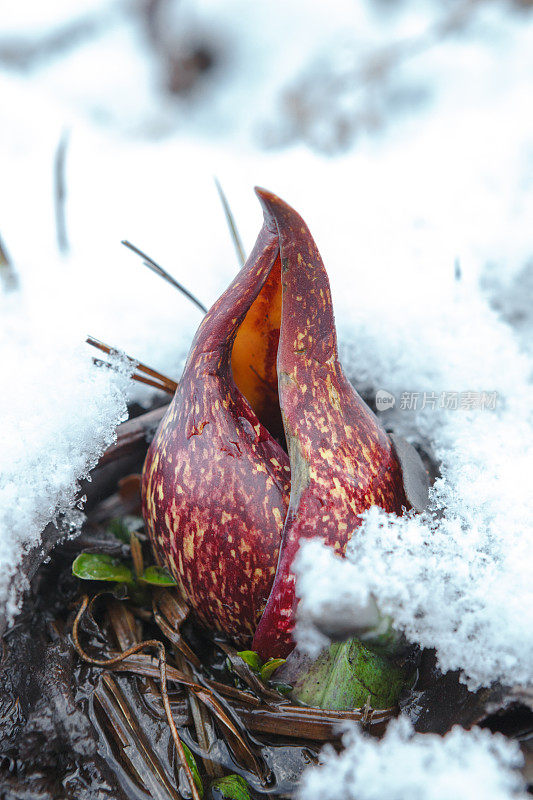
x=59 y=413
x=459 y=766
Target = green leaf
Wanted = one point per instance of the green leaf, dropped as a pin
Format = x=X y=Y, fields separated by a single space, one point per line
x=283 y=688
x=119 y=529
x=158 y=576
x=231 y=787
x=347 y=675
x=194 y=768
x=270 y=667
x=101 y=567
x=251 y=658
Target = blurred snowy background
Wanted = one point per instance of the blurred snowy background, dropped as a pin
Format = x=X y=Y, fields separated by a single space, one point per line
x=402 y=131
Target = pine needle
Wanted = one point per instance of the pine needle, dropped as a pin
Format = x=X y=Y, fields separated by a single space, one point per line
x=157 y=379
x=7 y=271
x=60 y=192
x=152 y=644
x=230 y=219
x=151 y=264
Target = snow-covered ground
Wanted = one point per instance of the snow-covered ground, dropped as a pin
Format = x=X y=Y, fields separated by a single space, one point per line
x=403 y=134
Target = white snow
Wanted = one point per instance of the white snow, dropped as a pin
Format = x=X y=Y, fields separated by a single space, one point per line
x=463 y=765
x=423 y=187
x=58 y=413
x=458 y=576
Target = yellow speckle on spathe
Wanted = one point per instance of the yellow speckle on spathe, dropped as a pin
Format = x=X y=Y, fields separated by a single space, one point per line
x=277 y=516
x=333 y=394
x=327 y=455
x=337 y=484
x=225 y=517
x=188 y=546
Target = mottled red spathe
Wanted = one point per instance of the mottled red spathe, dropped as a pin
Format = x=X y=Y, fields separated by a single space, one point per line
x=216 y=481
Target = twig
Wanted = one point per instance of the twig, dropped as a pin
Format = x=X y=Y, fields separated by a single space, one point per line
x=134 y=746
x=202 y=723
x=222 y=710
x=109 y=662
x=164 y=383
x=101 y=362
x=230 y=219
x=151 y=264
x=134 y=435
x=7 y=271
x=60 y=192
x=175 y=612
x=136 y=555
x=169 y=612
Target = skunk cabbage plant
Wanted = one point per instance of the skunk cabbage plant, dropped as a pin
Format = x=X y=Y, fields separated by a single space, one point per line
x=265 y=443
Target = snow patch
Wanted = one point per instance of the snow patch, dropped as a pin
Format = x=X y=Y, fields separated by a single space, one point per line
x=461 y=765
x=59 y=413
x=456 y=577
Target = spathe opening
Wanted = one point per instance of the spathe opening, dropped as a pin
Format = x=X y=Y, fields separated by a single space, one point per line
x=254 y=355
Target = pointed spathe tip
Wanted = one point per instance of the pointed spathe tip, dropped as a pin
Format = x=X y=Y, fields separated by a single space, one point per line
x=266 y=197
x=277 y=213
x=269 y=201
